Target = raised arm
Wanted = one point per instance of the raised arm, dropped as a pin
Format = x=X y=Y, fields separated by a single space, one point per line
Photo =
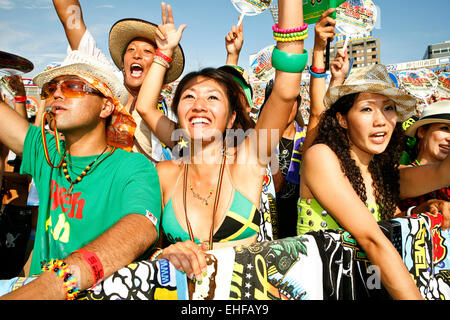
x=167 y=39
x=13 y=128
x=233 y=44
x=71 y=16
x=324 y=30
x=287 y=56
x=20 y=100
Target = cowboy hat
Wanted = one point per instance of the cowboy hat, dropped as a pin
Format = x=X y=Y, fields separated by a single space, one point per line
x=77 y=63
x=438 y=112
x=125 y=30
x=373 y=79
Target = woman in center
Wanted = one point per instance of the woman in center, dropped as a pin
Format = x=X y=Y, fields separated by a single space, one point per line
x=212 y=193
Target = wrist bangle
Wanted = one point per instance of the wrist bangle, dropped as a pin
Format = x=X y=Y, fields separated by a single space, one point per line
x=317 y=70
x=410 y=209
x=162 y=55
x=316 y=75
x=289 y=62
x=20 y=99
x=71 y=285
x=94 y=262
x=161 y=61
x=156 y=254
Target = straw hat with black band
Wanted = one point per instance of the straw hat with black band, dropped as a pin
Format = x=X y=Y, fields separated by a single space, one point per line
x=373 y=79
x=126 y=30
x=438 y=112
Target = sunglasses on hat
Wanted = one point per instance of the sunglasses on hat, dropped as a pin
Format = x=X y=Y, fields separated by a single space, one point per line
x=71 y=88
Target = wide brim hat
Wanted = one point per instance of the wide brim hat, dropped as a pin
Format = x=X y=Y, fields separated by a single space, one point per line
x=438 y=112
x=125 y=30
x=373 y=79
x=9 y=61
x=78 y=63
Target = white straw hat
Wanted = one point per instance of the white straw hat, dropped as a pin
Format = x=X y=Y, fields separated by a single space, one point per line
x=438 y=112
x=76 y=63
x=373 y=79
x=125 y=30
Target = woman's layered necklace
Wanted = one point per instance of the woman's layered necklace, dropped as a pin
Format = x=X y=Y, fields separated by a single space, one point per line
x=204 y=199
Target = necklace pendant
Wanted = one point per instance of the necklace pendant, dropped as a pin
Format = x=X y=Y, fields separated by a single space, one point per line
x=69 y=192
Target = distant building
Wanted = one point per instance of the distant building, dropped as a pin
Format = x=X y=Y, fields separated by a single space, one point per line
x=437 y=50
x=365 y=52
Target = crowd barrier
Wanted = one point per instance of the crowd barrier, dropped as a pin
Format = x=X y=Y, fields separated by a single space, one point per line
x=324 y=265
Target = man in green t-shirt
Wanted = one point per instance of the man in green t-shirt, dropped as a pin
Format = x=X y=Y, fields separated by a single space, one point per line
x=93 y=196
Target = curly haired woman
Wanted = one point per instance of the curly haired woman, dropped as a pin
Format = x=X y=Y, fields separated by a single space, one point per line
x=350 y=174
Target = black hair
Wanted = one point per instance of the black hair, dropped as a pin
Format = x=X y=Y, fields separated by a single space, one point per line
x=383 y=167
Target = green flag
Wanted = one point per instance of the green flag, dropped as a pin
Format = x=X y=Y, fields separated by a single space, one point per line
x=313 y=9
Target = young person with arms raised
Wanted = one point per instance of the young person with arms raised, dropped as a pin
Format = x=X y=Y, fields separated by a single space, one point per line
x=99 y=205
x=211 y=194
x=132 y=46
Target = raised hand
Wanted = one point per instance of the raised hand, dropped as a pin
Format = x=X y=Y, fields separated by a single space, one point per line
x=233 y=43
x=167 y=35
x=339 y=67
x=324 y=30
x=16 y=83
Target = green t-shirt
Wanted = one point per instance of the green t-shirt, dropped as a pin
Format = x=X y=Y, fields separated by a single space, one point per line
x=117 y=185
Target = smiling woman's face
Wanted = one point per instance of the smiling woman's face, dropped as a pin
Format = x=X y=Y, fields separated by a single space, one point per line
x=434 y=142
x=203 y=109
x=137 y=60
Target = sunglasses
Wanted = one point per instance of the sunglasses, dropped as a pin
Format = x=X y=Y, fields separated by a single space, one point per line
x=71 y=88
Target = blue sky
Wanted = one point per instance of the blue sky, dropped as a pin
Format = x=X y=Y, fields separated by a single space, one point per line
x=31 y=28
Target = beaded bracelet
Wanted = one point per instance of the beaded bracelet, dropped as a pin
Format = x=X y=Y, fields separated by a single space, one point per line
x=316 y=75
x=71 y=285
x=161 y=61
x=289 y=62
x=287 y=39
x=289 y=35
x=162 y=55
x=275 y=28
x=294 y=36
x=156 y=254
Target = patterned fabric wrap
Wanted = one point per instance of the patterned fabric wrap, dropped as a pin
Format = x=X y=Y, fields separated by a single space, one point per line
x=320 y=265
x=426 y=254
x=120 y=131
